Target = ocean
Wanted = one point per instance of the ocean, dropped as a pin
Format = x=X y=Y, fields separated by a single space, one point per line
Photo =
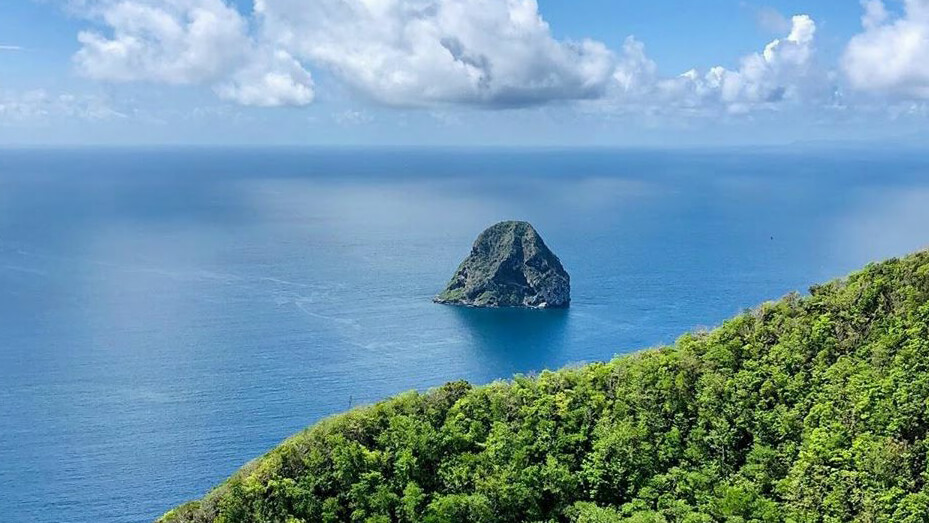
x=168 y=314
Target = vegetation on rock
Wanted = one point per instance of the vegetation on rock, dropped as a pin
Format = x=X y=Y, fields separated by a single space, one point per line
x=509 y=266
x=811 y=408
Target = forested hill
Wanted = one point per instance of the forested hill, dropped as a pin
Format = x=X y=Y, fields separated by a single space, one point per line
x=810 y=408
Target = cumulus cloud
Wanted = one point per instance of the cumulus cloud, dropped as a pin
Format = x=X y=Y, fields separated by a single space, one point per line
x=635 y=73
x=487 y=53
x=173 y=41
x=422 y=53
x=891 y=55
x=275 y=81
x=429 y=52
x=188 y=42
x=778 y=73
x=782 y=71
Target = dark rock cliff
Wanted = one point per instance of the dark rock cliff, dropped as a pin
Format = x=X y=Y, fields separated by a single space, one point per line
x=509 y=266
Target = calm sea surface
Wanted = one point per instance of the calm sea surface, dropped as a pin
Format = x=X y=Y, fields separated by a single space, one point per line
x=167 y=315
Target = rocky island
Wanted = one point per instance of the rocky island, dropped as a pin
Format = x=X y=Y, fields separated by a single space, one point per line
x=509 y=266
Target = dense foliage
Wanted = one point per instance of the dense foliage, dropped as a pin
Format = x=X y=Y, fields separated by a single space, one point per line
x=811 y=408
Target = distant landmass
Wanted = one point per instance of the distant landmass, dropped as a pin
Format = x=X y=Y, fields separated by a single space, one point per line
x=810 y=408
x=509 y=266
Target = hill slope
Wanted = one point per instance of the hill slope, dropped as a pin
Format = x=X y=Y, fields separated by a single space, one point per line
x=807 y=409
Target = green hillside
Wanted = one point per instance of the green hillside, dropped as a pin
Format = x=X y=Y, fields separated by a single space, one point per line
x=810 y=408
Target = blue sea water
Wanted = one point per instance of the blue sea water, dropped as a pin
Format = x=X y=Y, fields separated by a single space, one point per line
x=166 y=315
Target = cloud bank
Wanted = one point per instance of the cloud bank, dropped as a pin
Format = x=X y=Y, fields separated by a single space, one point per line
x=39 y=105
x=478 y=53
x=397 y=52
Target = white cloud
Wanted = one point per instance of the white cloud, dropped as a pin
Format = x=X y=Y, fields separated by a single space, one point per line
x=10 y=48
x=776 y=74
x=188 y=42
x=170 y=41
x=875 y=14
x=398 y=52
x=423 y=53
x=433 y=52
x=635 y=73
x=782 y=71
x=274 y=81
x=891 y=55
x=38 y=105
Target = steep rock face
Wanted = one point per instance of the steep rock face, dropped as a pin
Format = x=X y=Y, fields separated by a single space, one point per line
x=509 y=266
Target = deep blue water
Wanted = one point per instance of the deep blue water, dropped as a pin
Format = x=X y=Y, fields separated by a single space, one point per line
x=167 y=315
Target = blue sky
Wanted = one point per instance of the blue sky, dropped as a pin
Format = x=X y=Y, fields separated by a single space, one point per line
x=462 y=72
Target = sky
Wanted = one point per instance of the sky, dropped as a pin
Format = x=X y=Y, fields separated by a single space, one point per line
x=463 y=72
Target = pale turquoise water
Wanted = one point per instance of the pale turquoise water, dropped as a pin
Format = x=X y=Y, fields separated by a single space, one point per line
x=167 y=315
